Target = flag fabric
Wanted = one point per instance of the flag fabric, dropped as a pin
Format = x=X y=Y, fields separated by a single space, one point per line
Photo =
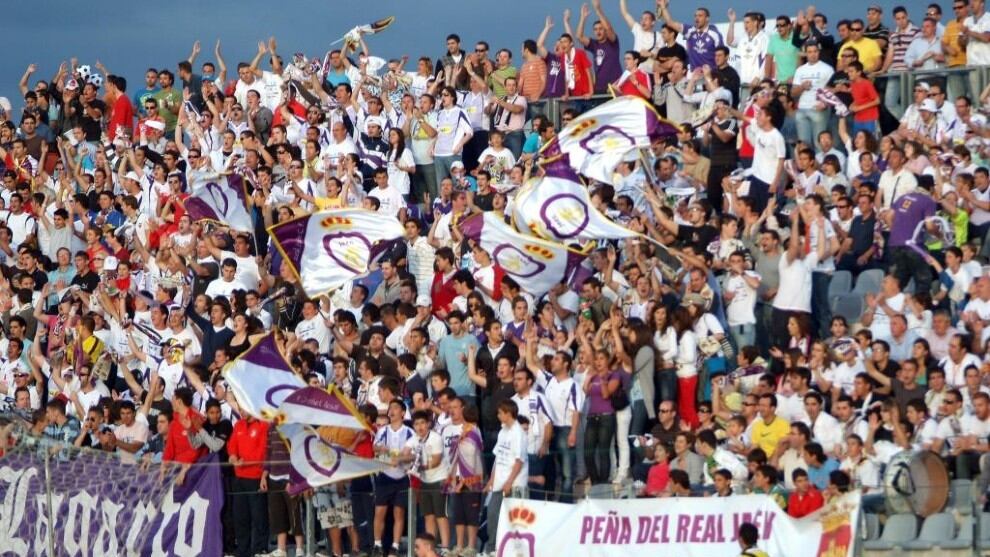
x=595 y=142
x=327 y=249
x=559 y=209
x=221 y=199
x=261 y=379
x=314 y=463
x=319 y=407
x=536 y=264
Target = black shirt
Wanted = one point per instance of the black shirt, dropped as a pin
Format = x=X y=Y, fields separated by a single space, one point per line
x=87 y=282
x=861 y=232
x=728 y=77
x=697 y=236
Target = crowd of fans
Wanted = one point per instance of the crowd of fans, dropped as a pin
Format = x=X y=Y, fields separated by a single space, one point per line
x=710 y=367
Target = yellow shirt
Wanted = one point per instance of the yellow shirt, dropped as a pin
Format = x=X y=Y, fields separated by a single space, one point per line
x=766 y=436
x=869 y=53
x=324 y=203
x=953 y=30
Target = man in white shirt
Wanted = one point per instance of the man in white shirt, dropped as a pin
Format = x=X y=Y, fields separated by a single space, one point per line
x=391 y=202
x=313 y=326
x=812 y=117
x=739 y=292
x=897 y=180
x=751 y=48
x=511 y=470
x=769 y=152
x=824 y=427
x=972 y=441
x=976 y=31
x=794 y=293
x=565 y=398
x=226 y=283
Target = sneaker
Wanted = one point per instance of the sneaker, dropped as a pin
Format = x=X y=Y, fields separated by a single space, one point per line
x=469 y=552
x=377 y=552
x=276 y=553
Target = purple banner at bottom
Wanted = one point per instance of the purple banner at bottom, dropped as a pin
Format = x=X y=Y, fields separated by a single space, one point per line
x=105 y=507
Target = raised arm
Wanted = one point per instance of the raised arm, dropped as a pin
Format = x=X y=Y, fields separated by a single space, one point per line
x=600 y=13
x=221 y=65
x=541 y=40
x=630 y=21
x=194 y=53
x=668 y=20
x=276 y=61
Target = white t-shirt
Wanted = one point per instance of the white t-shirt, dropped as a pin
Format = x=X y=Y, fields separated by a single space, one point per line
x=247 y=269
x=971 y=425
x=978 y=52
x=818 y=74
x=881 y=322
x=399 y=179
x=390 y=199
x=752 y=53
x=315 y=328
x=740 y=308
x=268 y=86
x=424 y=450
x=894 y=186
x=826 y=265
x=509 y=449
x=769 y=149
x=794 y=292
x=394 y=440
x=220 y=287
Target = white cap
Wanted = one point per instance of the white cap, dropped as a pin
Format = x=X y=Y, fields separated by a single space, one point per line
x=928 y=105
x=110 y=263
x=374 y=121
x=132 y=176
x=423 y=300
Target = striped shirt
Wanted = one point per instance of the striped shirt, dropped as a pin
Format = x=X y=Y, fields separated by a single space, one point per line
x=531 y=78
x=900 y=41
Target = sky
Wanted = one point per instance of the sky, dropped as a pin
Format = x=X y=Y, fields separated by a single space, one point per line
x=129 y=36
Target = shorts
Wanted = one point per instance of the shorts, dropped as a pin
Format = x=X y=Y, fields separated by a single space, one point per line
x=465 y=508
x=432 y=500
x=284 y=515
x=333 y=510
x=389 y=491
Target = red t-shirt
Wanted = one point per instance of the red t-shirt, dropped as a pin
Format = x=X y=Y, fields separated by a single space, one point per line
x=177 y=446
x=746 y=150
x=442 y=292
x=582 y=80
x=863 y=91
x=123 y=115
x=249 y=442
x=801 y=505
x=628 y=86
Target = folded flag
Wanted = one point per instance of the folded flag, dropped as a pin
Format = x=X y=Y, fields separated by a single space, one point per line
x=319 y=407
x=261 y=379
x=559 y=209
x=536 y=264
x=314 y=463
x=325 y=250
x=595 y=142
x=220 y=199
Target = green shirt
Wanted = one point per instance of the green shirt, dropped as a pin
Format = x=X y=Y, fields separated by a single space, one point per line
x=785 y=56
x=960 y=227
x=169 y=113
x=503 y=73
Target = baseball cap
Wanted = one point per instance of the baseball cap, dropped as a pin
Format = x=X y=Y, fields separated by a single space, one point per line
x=423 y=300
x=928 y=105
x=923 y=85
x=457 y=164
x=132 y=176
x=875 y=8
x=374 y=121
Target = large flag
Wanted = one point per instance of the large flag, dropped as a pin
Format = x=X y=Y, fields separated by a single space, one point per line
x=315 y=463
x=318 y=407
x=261 y=379
x=595 y=142
x=221 y=199
x=536 y=264
x=558 y=208
x=328 y=249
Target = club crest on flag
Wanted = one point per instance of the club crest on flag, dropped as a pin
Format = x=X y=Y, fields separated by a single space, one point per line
x=351 y=250
x=522 y=263
x=565 y=215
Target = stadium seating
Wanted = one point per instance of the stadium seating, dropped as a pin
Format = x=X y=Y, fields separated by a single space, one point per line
x=899 y=529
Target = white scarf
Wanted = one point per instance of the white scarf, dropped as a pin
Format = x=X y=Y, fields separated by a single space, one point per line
x=569 y=68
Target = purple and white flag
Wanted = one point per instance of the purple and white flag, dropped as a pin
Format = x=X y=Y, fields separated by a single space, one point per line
x=317 y=407
x=330 y=248
x=559 y=209
x=262 y=379
x=596 y=141
x=315 y=463
x=536 y=264
x=221 y=199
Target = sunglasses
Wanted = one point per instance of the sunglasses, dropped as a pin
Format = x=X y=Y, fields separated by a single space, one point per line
x=665 y=411
x=856 y=29
x=843 y=206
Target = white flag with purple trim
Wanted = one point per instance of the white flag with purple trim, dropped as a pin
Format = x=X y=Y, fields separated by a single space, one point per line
x=315 y=463
x=330 y=248
x=318 y=407
x=559 y=209
x=596 y=141
x=261 y=379
x=221 y=199
x=536 y=264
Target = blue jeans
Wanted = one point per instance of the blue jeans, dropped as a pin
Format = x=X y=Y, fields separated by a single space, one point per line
x=514 y=142
x=742 y=335
x=810 y=123
x=566 y=459
x=442 y=166
x=821 y=313
x=598 y=439
x=869 y=127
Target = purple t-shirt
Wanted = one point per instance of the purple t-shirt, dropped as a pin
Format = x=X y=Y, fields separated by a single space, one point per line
x=556 y=79
x=701 y=46
x=909 y=211
x=605 y=59
x=597 y=404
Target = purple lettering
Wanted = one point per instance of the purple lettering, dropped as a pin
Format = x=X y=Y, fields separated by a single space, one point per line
x=768 y=528
x=645 y=525
x=664 y=533
x=721 y=529
x=586 y=525
x=696 y=528
x=683 y=523
x=596 y=536
x=611 y=528
x=625 y=531
x=709 y=535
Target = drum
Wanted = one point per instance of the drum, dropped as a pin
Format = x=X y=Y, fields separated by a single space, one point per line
x=916 y=482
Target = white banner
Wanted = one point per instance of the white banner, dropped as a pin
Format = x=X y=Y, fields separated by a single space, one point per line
x=560 y=210
x=685 y=527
